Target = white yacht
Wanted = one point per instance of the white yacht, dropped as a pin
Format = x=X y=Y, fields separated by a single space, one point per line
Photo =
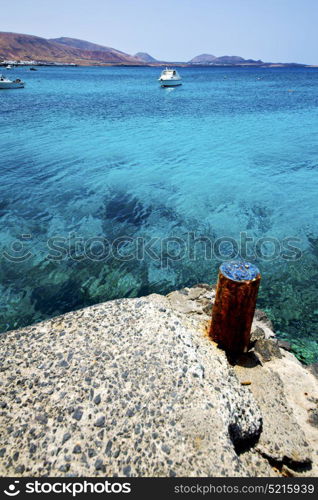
x=5 y=83
x=9 y=66
x=170 y=78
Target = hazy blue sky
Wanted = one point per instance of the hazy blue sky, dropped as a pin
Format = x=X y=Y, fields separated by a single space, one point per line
x=272 y=30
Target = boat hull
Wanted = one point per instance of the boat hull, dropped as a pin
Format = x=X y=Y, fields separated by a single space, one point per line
x=11 y=85
x=170 y=83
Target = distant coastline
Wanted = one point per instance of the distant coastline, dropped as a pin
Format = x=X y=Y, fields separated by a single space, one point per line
x=21 y=49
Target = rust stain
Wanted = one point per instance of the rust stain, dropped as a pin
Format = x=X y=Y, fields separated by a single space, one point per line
x=233 y=312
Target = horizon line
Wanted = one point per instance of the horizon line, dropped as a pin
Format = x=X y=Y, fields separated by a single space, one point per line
x=145 y=52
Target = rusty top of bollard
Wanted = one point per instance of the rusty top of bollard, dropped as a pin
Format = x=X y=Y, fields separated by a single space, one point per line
x=239 y=270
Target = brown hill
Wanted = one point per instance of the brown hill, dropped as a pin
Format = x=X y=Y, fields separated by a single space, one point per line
x=62 y=50
x=94 y=47
x=145 y=57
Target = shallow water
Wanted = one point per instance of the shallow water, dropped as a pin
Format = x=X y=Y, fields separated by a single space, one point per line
x=93 y=156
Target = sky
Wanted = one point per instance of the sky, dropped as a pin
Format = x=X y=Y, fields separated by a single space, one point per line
x=176 y=30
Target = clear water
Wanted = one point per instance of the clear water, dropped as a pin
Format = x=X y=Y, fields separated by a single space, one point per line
x=90 y=155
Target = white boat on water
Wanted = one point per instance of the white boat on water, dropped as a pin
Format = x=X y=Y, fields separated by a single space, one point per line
x=5 y=83
x=9 y=66
x=170 y=78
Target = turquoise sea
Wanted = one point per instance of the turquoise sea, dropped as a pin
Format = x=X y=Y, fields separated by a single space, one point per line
x=113 y=187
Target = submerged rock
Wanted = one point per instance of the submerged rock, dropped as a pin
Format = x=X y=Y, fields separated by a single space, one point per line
x=124 y=207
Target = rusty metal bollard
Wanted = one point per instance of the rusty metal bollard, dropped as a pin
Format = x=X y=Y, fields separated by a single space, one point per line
x=234 y=305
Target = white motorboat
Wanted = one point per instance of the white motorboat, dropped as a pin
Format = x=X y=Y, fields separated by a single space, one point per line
x=9 y=66
x=5 y=83
x=170 y=78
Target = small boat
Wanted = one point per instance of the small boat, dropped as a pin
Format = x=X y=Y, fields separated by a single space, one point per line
x=9 y=66
x=33 y=69
x=170 y=78
x=5 y=83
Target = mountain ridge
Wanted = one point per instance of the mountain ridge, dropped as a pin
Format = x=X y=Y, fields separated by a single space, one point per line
x=145 y=57
x=18 y=46
x=67 y=50
x=210 y=59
